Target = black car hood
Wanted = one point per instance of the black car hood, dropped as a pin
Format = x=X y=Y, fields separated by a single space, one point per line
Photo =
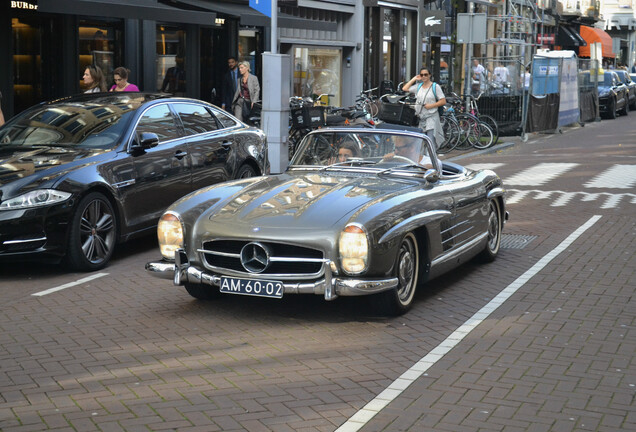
x=31 y=164
x=301 y=201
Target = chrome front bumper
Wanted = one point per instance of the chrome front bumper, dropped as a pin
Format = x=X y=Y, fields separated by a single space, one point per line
x=330 y=286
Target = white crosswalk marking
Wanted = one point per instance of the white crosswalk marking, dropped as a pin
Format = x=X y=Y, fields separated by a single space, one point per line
x=484 y=166
x=562 y=198
x=618 y=177
x=539 y=174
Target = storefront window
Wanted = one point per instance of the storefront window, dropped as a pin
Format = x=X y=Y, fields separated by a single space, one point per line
x=99 y=45
x=248 y=47
x=317 y=73
x=27 y=63
x=171 y=60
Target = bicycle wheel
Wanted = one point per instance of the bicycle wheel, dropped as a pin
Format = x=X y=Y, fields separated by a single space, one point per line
x=469 y=126
x=485 y=137
x=452 y=133
x=492 y=123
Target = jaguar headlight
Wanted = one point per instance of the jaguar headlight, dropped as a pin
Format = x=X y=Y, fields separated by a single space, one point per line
x=35 y=198
x=170 y=234
x=354 y=249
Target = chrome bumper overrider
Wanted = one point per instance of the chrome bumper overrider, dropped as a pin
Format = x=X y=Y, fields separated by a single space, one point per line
x=330 y=286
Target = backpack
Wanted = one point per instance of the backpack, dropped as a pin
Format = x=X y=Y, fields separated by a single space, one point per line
x=440 y=109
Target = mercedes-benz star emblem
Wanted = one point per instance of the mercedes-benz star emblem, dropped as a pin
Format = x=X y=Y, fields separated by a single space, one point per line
x=255 y=257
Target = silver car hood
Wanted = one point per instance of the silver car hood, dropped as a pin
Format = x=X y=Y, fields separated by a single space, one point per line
x=301 y=200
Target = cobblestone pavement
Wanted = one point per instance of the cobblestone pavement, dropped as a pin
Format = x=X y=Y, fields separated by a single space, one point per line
x=127 y=352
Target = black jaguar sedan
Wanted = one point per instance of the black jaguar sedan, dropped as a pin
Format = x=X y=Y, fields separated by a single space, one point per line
x=81 y=174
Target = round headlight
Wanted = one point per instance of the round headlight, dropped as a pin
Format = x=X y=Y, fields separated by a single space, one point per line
x=170 y=234
x=354 y=249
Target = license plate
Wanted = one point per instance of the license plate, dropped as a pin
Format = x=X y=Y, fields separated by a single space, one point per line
x=252 y=287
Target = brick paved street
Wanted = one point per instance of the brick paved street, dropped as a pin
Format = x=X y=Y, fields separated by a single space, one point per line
x=127 y=352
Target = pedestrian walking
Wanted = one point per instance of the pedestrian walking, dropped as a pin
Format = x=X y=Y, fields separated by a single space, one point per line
x=247 y=92
x=478 y=77
x=634 y=67
x=120 y=75
x=229 y=84
x=94 y=79
x=428 y=98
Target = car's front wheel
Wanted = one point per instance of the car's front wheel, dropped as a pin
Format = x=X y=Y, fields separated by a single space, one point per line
x=495 y=226
x=400 y=299
x=202 y=292
x=92 y=233
x=245 y=171
x=611 y=108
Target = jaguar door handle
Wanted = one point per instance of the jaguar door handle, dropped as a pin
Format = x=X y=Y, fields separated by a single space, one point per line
x=226 y=144
x=180 y=154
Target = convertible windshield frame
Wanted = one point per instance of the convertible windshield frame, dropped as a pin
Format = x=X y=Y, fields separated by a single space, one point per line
x=377 y=151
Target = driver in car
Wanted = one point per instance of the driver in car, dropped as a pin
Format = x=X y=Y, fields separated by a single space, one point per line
x=409 y=147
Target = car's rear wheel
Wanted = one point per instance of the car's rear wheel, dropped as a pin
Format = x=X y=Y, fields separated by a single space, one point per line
x=400 y=299
x=202 y=292
x=495 y=226
x=92 y=233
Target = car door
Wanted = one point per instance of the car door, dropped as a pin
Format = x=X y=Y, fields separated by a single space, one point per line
x=209 y=144
x=469 y=206
x=162 y=173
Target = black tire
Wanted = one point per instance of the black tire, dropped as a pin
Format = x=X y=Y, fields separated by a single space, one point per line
x=245 y=171
x=202 y=292
x=625 y=110
x=611 y=108
x=93 y=233
x=490 y=121
x=495 y=226
x=407 y=263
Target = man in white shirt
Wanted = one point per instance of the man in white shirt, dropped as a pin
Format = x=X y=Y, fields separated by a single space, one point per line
x=502 y=75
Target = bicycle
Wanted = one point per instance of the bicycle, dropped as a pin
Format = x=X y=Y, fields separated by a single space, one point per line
x=485 y=118
x=368 y=103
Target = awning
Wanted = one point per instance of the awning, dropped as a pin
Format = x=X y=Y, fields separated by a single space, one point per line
x=248 y=16
x=133 y=9
x=569 y=37
x=593 y=35
x=251 y=17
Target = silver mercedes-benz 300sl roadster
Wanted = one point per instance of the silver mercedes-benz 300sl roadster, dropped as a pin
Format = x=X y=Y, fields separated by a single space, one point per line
x=357 y=212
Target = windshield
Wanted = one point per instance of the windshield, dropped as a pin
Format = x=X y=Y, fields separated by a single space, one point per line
x=607 y=80
x=366 y=147
x=91 y=125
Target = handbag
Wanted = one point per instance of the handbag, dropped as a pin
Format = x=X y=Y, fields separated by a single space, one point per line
x=246 y=109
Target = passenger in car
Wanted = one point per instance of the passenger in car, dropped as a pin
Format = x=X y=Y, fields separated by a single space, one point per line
x=346 y=151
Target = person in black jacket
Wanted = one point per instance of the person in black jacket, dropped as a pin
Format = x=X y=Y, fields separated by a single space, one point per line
x=230 y=80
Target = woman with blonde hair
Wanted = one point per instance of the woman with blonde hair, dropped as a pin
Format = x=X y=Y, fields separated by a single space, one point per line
x=94 y=79
x=247 y=92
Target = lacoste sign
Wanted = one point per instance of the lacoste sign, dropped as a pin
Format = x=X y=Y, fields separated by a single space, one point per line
x=433 y=21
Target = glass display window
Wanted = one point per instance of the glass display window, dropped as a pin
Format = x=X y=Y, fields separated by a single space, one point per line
x=99 y=45
x=27 y=63
x=171 y=59
x=317 y=74
x=248 y=48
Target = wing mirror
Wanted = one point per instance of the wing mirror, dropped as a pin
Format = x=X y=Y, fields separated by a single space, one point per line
x=146 y=140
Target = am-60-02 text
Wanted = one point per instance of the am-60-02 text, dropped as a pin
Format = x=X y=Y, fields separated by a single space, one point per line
x=261 y=288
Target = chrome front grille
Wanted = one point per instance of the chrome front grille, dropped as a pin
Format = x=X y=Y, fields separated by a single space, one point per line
x=284 y=260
